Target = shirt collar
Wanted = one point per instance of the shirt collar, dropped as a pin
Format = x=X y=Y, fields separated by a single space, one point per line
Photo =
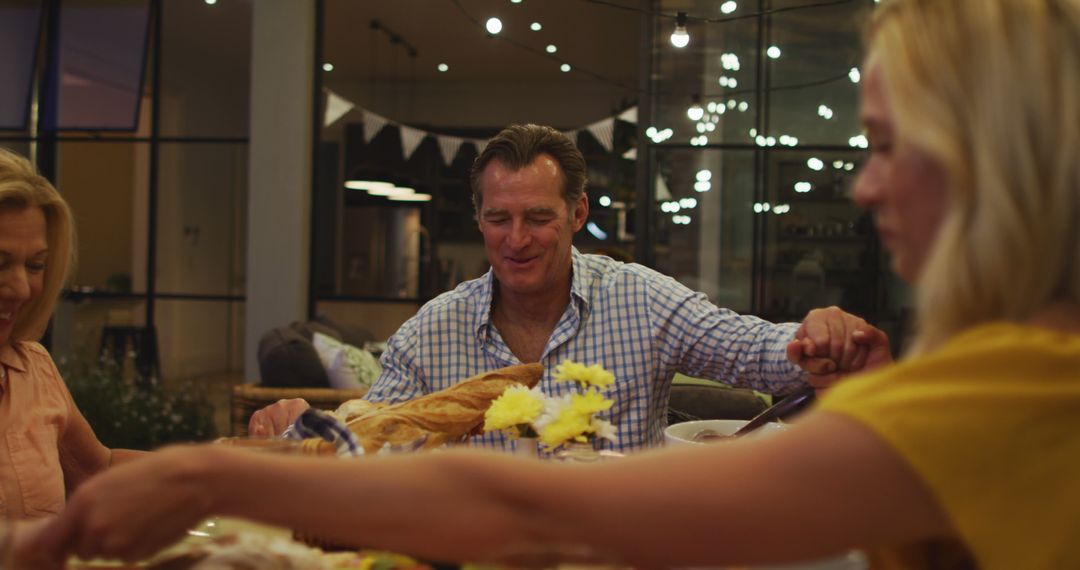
x=578 y=288
x=12 y=357
x=579 y=281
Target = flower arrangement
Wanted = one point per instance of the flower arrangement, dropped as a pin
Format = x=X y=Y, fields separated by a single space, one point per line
x=522 y=412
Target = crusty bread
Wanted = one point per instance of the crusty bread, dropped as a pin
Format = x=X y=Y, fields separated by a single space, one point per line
x=441 y=416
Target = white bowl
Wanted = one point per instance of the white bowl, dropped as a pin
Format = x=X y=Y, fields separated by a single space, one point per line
x=683 y=433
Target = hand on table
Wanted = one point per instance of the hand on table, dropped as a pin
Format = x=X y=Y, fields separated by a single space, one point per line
x=274 y=419
x=831 y=344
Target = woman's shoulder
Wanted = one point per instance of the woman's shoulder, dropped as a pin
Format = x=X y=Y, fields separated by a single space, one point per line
x=32 y=349
x=35 y=356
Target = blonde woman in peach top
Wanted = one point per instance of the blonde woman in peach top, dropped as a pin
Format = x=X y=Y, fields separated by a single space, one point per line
x=47 y=448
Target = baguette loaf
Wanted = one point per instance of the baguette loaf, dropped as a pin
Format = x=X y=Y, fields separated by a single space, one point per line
x=441 y=416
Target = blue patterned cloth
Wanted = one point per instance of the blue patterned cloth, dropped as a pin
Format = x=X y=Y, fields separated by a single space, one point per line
x=639 y=324
x=314 y=423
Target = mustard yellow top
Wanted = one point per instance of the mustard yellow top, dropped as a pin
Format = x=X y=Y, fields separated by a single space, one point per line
x=991 y=423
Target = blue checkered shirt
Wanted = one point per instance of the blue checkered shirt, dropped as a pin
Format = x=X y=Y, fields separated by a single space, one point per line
x=639 y=324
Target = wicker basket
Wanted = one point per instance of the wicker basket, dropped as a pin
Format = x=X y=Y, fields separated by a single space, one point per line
x=248 y=398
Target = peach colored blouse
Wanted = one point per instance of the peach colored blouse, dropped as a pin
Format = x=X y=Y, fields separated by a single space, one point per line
x=35 y=412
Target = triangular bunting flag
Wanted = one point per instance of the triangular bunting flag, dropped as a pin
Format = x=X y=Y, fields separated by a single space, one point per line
x=662 y=191
x=410 y=139
x=629 y=115
x=604 y=132
x=372 y=125
x=480 y=144
x=449 y=147
x=336 y=107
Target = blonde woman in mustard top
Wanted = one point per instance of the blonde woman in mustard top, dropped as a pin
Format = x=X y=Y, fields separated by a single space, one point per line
x=965 y=454
x=47 y=448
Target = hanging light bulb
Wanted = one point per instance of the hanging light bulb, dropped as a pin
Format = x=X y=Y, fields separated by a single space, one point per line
x=680 y=38
x=695 y=112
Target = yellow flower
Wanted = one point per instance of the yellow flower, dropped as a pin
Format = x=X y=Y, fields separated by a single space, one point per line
x=516 y=406
x=589 y=403
x=568 y=425
x=594 y=375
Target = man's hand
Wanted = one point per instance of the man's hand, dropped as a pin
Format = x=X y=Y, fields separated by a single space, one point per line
x=274 y=419
x=831 y=344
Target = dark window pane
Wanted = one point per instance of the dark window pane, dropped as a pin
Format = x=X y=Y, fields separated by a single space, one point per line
x=202 y=349
x=102 y=54
x=202 y=218
x=812 y=95
x=107 y=185
x=205 y=76
x=19 y=26
x=707 y=244
x=79 y=330
x=820 y=247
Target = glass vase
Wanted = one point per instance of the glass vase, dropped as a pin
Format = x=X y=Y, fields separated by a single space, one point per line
x=578 y=452
x=526 y=447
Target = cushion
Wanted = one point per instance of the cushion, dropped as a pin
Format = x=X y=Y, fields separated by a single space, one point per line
x=349 y=334
x=309 y=328
x=347 y=366
x=287 y=359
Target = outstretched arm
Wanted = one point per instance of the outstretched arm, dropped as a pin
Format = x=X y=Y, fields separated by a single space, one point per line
x=812 y=491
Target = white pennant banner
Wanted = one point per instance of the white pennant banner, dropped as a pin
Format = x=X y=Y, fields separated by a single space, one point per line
x=629 y=115
x=449 y=147
x=336 y=107
x=479 y=144
x=604 y=132
x=410 y=139
x=372 y=125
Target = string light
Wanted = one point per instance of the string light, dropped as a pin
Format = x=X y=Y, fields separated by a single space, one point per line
x=605 y=201
x=535 y=26
x=551 y=48
x=493 y=26
x=815 y=163
x=443 y=67
x=803 y=187
x=854 y=75
x=680 y=38
x=695 y=112
x=565 y=68
x=328 y=67
x=728 y=7
x=773 y=52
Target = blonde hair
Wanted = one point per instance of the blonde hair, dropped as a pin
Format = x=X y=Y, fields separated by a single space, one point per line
x=22 y=187
x=991 y=89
